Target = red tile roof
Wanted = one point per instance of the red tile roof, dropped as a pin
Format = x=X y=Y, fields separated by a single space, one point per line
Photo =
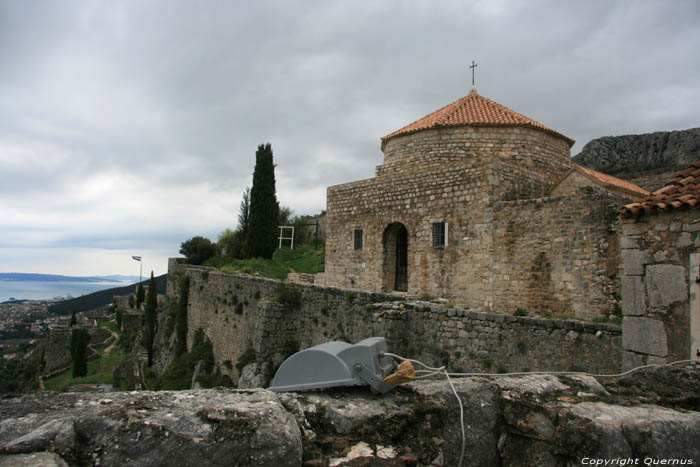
x=681 y=192
x=473 y=110
x=611 y=182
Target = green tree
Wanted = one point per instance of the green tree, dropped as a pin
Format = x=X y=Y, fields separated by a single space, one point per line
x=140 y=296
x=181 y=317
x=244 y=213
x=151 y=317
x=285 y=215
x=231 y=244
x=264 y=209
x=73 y=319
x=79 y=339
x=198 y=249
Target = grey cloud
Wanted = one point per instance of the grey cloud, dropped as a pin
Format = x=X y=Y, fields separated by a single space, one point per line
x=177 y=95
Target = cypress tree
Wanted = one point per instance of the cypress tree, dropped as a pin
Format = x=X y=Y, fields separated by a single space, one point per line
x=264 y=210
x=181 y=317
x=140 y=296
x=79 y=339
x=151 y=317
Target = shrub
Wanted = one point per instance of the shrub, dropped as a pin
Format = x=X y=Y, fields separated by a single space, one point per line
x=181 y=316
x=288 y=295
x=246 y=358
x=520 y=312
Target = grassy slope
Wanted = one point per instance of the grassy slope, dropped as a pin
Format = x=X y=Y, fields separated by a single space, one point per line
x=303 y=259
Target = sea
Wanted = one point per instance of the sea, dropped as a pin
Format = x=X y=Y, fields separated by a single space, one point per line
x=39 y=290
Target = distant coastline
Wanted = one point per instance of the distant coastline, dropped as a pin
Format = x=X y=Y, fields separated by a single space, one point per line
x=33 y=277
x=23 y=286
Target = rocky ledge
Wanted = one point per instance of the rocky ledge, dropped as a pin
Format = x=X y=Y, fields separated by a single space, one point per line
x=529 y=420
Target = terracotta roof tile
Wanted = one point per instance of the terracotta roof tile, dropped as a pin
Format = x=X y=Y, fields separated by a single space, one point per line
x=472 y=110
x=612 y=182
x=681 y=192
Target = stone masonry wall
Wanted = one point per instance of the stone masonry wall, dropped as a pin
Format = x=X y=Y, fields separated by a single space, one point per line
x=558 y=255
x=239 y=312
x=656 y=252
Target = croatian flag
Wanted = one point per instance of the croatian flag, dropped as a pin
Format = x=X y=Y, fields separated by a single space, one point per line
x=137 y=258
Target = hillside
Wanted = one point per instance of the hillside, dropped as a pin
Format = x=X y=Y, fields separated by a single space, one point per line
x=649 y=160
x=101 y=298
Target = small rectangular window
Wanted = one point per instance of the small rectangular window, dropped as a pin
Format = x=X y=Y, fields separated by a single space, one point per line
x=439 y=234
x=357 y=239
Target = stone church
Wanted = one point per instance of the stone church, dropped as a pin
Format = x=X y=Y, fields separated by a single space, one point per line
x=481 y=205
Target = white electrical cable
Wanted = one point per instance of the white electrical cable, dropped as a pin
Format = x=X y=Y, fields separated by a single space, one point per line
x=430 y=371
x=654 y=365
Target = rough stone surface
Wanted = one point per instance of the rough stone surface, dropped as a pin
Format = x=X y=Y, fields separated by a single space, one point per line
x=647 y=159
x=633 y=290
x=644 y=335
x=509 y=421
x=665 y=284
x=154 y=429
x=252 y=376
x=661 y=261
x=634 y=261
x=36 y=459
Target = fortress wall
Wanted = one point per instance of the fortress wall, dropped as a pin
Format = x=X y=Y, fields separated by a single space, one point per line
x=558 y=255
x=468 y=340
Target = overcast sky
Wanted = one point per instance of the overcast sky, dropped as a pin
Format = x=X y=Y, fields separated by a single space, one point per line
x=127 y=127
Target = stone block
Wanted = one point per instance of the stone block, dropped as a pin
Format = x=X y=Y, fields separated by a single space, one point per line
x=684 y=240
x=629 y=241
x=633 y=296
x=644 y=335
x=665 y=284
x=633 y=262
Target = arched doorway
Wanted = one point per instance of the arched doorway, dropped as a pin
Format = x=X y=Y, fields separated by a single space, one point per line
x=395 y=239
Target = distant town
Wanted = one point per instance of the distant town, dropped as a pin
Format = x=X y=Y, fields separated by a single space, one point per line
x=24 y=322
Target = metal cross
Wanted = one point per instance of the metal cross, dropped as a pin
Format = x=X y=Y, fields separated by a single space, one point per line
x=472 y=67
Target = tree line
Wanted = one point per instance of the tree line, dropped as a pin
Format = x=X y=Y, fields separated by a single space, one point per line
x=260 y=215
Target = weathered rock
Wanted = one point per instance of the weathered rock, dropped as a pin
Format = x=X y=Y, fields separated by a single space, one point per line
x=538 y=419
x=146 y=428
x=630 y=155
x=37 y=459
x=252 y=376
